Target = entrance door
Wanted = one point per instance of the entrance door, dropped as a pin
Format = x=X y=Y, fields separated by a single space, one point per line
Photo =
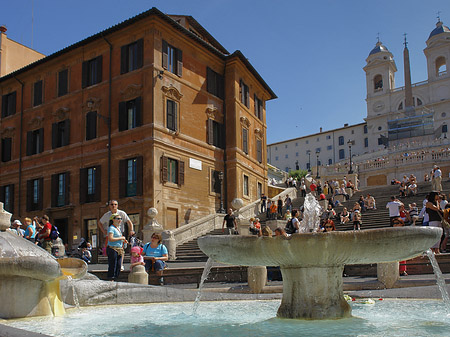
x=172 y=218
x=63 y=228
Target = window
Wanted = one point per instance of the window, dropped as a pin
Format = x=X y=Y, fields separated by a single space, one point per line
x=330 y=161
x=400 y=106
x=259 y=190
x=7 y=197
x=37 y=93
x=276 y=158
x=378 y=82
x=244 y=93
x=341 y=154
x=9 y=104
x=172 y=115
x=60 y=133
x=328 y=137
x=131 y=56
x=286 y=156
x=285 y=146
x=380 y=141
x=276 y=148
x=259 y=150
x=35 y=193
x=91 y=125
x=6 y=149
x=318 y=139
x=245 y=185
x=215 y=182
x=130 y=115
x=130 y=177
x=308 y=166
x=353 y=132
x=366 y=142
x=172 y=59
x=90 y=184
x=329 y=147
x=172 y=171
x=35 y=142
x=258 y=107
x=441 y=66
x=60 y=189
x=63 y=82
x=307 y=142
x=379 y=128
x=319 y=163
x=318 y=149
x=444 y=128
x=296 y=144
x=341 y=140
x=215 y=134
x=214 y=83
x=365 y=128
x=91 y=72
x=245 y=140
x=296 y=154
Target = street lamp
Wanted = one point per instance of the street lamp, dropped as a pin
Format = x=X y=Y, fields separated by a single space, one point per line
x=309 y=161
x=296 y=165
x=221 y=209
x=350 y=143
x=317 y=163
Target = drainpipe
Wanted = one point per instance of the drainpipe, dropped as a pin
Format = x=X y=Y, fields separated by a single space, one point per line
x=109 y=116
x=20 y=141
x=224 y=142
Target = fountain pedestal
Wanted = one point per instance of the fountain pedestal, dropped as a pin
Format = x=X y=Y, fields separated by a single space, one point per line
x=313 y=293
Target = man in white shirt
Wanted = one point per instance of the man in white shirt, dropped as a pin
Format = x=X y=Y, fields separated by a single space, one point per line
x=394 y=211
x=437 y=178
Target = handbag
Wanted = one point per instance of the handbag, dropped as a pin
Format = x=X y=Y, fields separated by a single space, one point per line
x=444 y=222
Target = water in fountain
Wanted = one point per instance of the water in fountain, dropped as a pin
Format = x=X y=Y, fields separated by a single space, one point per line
x=74 y=292
x=440 y=280
x=311 y=215
x=205 y=274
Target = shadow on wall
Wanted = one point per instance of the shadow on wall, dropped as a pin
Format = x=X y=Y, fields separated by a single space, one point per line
x=187 y=216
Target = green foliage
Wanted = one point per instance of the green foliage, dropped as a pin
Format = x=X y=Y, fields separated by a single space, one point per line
x=299 y=174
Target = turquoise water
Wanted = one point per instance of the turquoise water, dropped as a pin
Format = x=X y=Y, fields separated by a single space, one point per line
x=243 y=318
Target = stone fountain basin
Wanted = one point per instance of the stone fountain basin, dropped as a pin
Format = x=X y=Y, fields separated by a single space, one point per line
x=322 y=249
x=75 y=268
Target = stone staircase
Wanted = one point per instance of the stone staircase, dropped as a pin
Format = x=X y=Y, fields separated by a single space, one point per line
x=190 y=252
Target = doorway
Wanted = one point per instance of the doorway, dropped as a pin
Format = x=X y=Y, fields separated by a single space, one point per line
x=63 y=228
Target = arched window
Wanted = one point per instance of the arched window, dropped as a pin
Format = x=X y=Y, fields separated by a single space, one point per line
x=441 y=66
x=400 y=106
x=378 y=82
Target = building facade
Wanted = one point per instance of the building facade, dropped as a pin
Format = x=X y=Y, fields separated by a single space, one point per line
x=153 y=112
x=415 y=113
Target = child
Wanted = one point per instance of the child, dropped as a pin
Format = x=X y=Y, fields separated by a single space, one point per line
x=356 y=220
x=136 y=257
x=86 y=255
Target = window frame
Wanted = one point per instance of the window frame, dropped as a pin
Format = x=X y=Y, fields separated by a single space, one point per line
x=245 y=185
x=9 y=104
x=35 y=141
x=180 y=174
x=61 y=197
x=215 y=83
x=244 y=134
x=61 y=133
x=131 y=107
x=135 y=187
x=8 y=200
x=63 y=83
x=38 y=93
x=92 y=72
x=244 y=93
x=341 y=140
x=6 y=148
x=35 y=198
x=85 y=196
x=128 y=63
x=172 y=59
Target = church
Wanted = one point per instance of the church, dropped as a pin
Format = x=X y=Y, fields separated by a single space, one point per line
x=399 y=121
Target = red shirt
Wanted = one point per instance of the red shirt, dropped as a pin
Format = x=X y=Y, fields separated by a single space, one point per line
x=312 y=187
x=47 y=226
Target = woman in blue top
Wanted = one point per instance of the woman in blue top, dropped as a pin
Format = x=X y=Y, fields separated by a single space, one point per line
x=115 y=247
x=155 y=253
x=30 y=231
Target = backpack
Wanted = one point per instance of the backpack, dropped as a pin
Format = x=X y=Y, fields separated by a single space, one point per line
x=290 y=229
x=54 y=234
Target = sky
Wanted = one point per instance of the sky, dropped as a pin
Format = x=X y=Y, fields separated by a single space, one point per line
x=311 y=53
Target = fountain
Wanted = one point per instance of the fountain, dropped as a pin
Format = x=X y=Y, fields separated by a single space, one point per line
x=312 y=263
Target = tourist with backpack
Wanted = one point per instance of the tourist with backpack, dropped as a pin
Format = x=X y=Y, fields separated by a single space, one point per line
x=45 y=234
x=292 y=225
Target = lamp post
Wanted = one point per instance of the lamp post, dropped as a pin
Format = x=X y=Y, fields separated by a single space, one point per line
x=350 y=171
x=221 y=209
x=296 y=165
x=309 y=161
x=317 y=164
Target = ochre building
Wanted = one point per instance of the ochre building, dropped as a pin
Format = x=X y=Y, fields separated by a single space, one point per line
x=153 y=112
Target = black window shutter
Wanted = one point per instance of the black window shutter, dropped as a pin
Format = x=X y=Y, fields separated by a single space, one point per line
x=83 y=185
x=255 y=103
x=37 y=98
x=54 y=135
x=67 y=132
x=29 y=143
x=54 y=185
x=91 y=125
x=11 y=198
x=179 y=62
x=209 y=80
x=140 y=53
x=138 y=107
x=4 y=105
x=181 y=173
x=244 y=140
x=67 y=191
x=124 y=59
x=63 y=79
x=123 y=116
x=99 y=68
x=6 y=148
x=220 y=86
x=41 y=194
x=140 y=176
x=12 y=103
x=165 y=56
x=2 y=194
x=210 y=131
x=98 y=183
x=123 y=178
x=175 y=115
x=41 y=140
x=85 y=74
x=164 y=171
x=259 y=150
x=29 y=195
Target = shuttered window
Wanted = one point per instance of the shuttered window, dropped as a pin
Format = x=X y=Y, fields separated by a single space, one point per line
x=214 y=83
x=258 y=107
x=172 y=115
x=7 y=197
x=91 y=125
x=35 y=141
x=130 y=115
x=37 y=93
x=172 y=171
x=215 y=133
x=131 y=56
x=245 y=140
x=63 y=82
x=60 y=134
x=244 y=93
x=91 y=72
x=9 y=104
x=259 y=150
x=172 y=59
x=131 y=177
x=35 y=194
x=60 y=189
x=6 y=149
x=215 y=181
x=90 y=184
